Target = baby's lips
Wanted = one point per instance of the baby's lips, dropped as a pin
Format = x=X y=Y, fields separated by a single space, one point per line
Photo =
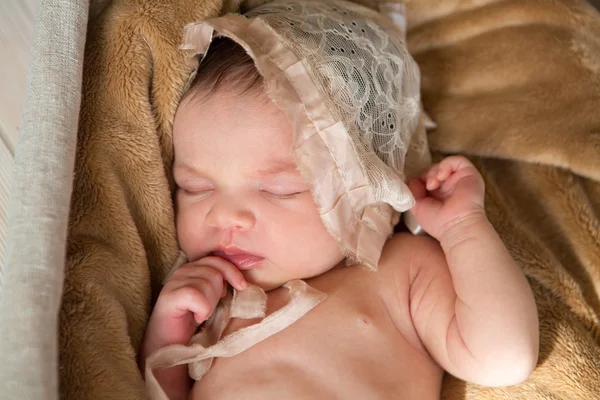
x=242 y=261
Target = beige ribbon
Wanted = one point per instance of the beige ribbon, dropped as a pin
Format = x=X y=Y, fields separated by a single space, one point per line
x=206 y=345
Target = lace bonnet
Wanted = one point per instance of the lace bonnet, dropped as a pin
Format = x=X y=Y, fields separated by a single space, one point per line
x=343 y=76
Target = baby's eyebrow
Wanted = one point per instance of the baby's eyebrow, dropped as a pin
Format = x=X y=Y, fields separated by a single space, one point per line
x=184 y=169
x=277 y=168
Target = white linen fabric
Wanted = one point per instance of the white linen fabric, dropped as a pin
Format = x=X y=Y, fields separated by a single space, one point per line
x=31 y=278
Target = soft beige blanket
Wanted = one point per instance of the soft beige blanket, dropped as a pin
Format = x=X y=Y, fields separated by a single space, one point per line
x=514 y=85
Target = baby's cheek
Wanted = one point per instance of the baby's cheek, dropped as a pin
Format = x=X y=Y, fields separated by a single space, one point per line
x=290 y=220
x=187 y=223
x=182 y=232
x=313 y=230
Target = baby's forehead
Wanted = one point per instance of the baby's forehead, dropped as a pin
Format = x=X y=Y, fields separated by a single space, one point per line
x=251 y=129
x=255 y=111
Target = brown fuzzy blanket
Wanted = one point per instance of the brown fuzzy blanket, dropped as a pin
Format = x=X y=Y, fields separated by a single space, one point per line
x=514 y=85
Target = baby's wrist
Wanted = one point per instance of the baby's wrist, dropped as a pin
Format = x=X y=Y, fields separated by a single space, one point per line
x=160 y=333
x=462 y=228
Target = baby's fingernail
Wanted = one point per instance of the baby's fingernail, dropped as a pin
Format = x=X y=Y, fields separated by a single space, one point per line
x=243 y=285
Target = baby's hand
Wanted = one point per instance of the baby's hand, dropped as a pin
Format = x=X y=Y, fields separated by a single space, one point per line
x=188 y=298
x=447 y=194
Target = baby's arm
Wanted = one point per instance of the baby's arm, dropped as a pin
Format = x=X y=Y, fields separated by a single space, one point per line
x=471 y=304
x=188 y=298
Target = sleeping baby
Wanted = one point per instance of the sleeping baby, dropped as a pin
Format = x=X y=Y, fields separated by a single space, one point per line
x=291 y=152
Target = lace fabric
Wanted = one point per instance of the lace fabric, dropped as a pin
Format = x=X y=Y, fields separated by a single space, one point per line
x=363 y=70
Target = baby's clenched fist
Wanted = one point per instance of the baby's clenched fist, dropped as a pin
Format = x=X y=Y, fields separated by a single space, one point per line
x=448 y=193
x=188 y=298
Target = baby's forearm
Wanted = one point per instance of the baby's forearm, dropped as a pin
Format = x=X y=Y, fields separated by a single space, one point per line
x=496 y=314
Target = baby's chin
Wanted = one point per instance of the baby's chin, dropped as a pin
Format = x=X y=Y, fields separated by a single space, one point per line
x=265 y=284
x=271 y=276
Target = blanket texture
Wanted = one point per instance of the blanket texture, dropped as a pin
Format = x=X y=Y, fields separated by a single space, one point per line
x=513 y=85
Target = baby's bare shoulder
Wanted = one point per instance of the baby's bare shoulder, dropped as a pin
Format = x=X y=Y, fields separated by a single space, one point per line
x=404 y=250
x=400 y=259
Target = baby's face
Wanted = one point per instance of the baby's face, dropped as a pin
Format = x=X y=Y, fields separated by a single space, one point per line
x=239 y=194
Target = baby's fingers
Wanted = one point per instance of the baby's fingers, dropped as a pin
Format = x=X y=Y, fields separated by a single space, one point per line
x=200 y=301
x=452 y=164
x=435 y=176
x=429 y=177
x=228 y=271
x=444 y=171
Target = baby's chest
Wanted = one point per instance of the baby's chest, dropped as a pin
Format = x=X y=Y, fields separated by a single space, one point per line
x=352 y=314
x=340 y=340
x=353 y=303
x=358 y=309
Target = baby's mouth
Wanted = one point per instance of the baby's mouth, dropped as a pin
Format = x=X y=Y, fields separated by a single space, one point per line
x=243 y=261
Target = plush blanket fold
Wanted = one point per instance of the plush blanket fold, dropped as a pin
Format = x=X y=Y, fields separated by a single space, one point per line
x=514 y=85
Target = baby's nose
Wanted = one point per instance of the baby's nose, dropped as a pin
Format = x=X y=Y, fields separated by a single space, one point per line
x=230 y=214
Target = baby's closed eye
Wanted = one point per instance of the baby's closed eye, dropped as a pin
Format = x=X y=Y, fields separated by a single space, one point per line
x=283 y=190
x=202 y=188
